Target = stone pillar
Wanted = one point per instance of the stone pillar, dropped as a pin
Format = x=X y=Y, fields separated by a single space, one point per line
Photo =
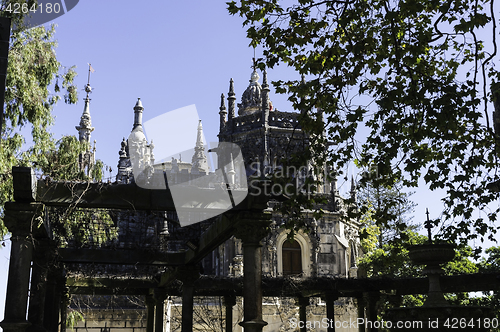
x=159 y=296
x=65 y=298
x=371 y=316
x=55 y=285
x=229 y=302
x=361 y=312
x=188 y=275
x=251 y=230
x=150 y=303
x=43 y=254
x=330 y=298
x=19 y=219
x=303 y=302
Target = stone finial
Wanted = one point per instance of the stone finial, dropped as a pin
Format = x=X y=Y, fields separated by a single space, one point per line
x=222 y=103
x=199 y=159
x=138 y=109
x=231 y=88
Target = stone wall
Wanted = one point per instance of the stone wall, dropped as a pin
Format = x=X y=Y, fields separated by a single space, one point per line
x=116 y=320
x=209 y=316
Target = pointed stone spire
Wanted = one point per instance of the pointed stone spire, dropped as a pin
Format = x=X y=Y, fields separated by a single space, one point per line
x=222 y=112
x=137 y=144
x=86 y=159
x=231 y=100
x=353 y=190
x=199 y=159
x=85 y=127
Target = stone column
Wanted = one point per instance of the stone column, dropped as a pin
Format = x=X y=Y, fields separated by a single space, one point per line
x=188 y=275
x=159 y=296
x=55 y=286
x=150 y=303
x=43 y=254
x=19 y=219
x=361 y=312
x=251 y=230
x=373 y=298
x=303 y=302
x=65 y=298
x=229 y=302
x=330 y=298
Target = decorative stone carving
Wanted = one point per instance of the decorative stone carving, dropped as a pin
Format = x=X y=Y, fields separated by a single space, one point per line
x=251 y=100
x=237 y=266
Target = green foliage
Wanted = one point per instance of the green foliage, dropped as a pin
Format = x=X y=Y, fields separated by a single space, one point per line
x=62 y=163
x=413 y=74
x=387 y=208
x=77 y=227
x=488 y=265
x=73 y=318
x=390 y=259
x=31 y=93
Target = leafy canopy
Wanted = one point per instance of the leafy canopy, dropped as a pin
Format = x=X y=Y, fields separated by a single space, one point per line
x=33 y=87
x=403 y=85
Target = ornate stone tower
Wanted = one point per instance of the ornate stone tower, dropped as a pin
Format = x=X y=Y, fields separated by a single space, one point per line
x=86 y=159
x=264 y=134
x=135 y=148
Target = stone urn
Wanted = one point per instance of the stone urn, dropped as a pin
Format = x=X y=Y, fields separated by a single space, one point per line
x=437 y=314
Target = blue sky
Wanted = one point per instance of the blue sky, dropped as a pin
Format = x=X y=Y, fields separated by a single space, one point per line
x=170 y=54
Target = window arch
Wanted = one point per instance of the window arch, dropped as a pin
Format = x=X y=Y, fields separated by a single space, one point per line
x=305 y=252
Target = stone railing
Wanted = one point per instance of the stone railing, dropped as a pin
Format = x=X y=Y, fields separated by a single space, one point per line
x=247 y=122
x=283 y=119
x=276 y=119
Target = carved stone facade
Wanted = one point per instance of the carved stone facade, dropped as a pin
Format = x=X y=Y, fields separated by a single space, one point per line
x=266 y=136
x=329 y=248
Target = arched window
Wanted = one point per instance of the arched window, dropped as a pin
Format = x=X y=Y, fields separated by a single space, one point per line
x=292 y=258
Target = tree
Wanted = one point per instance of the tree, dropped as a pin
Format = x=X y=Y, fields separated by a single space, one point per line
x=385 y=210
x=386 y=238
x=33 y=87
x=414 y=75
x=488 y=265
x=386 y=232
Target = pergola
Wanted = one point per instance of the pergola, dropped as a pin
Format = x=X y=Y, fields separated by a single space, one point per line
x=33 y=251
